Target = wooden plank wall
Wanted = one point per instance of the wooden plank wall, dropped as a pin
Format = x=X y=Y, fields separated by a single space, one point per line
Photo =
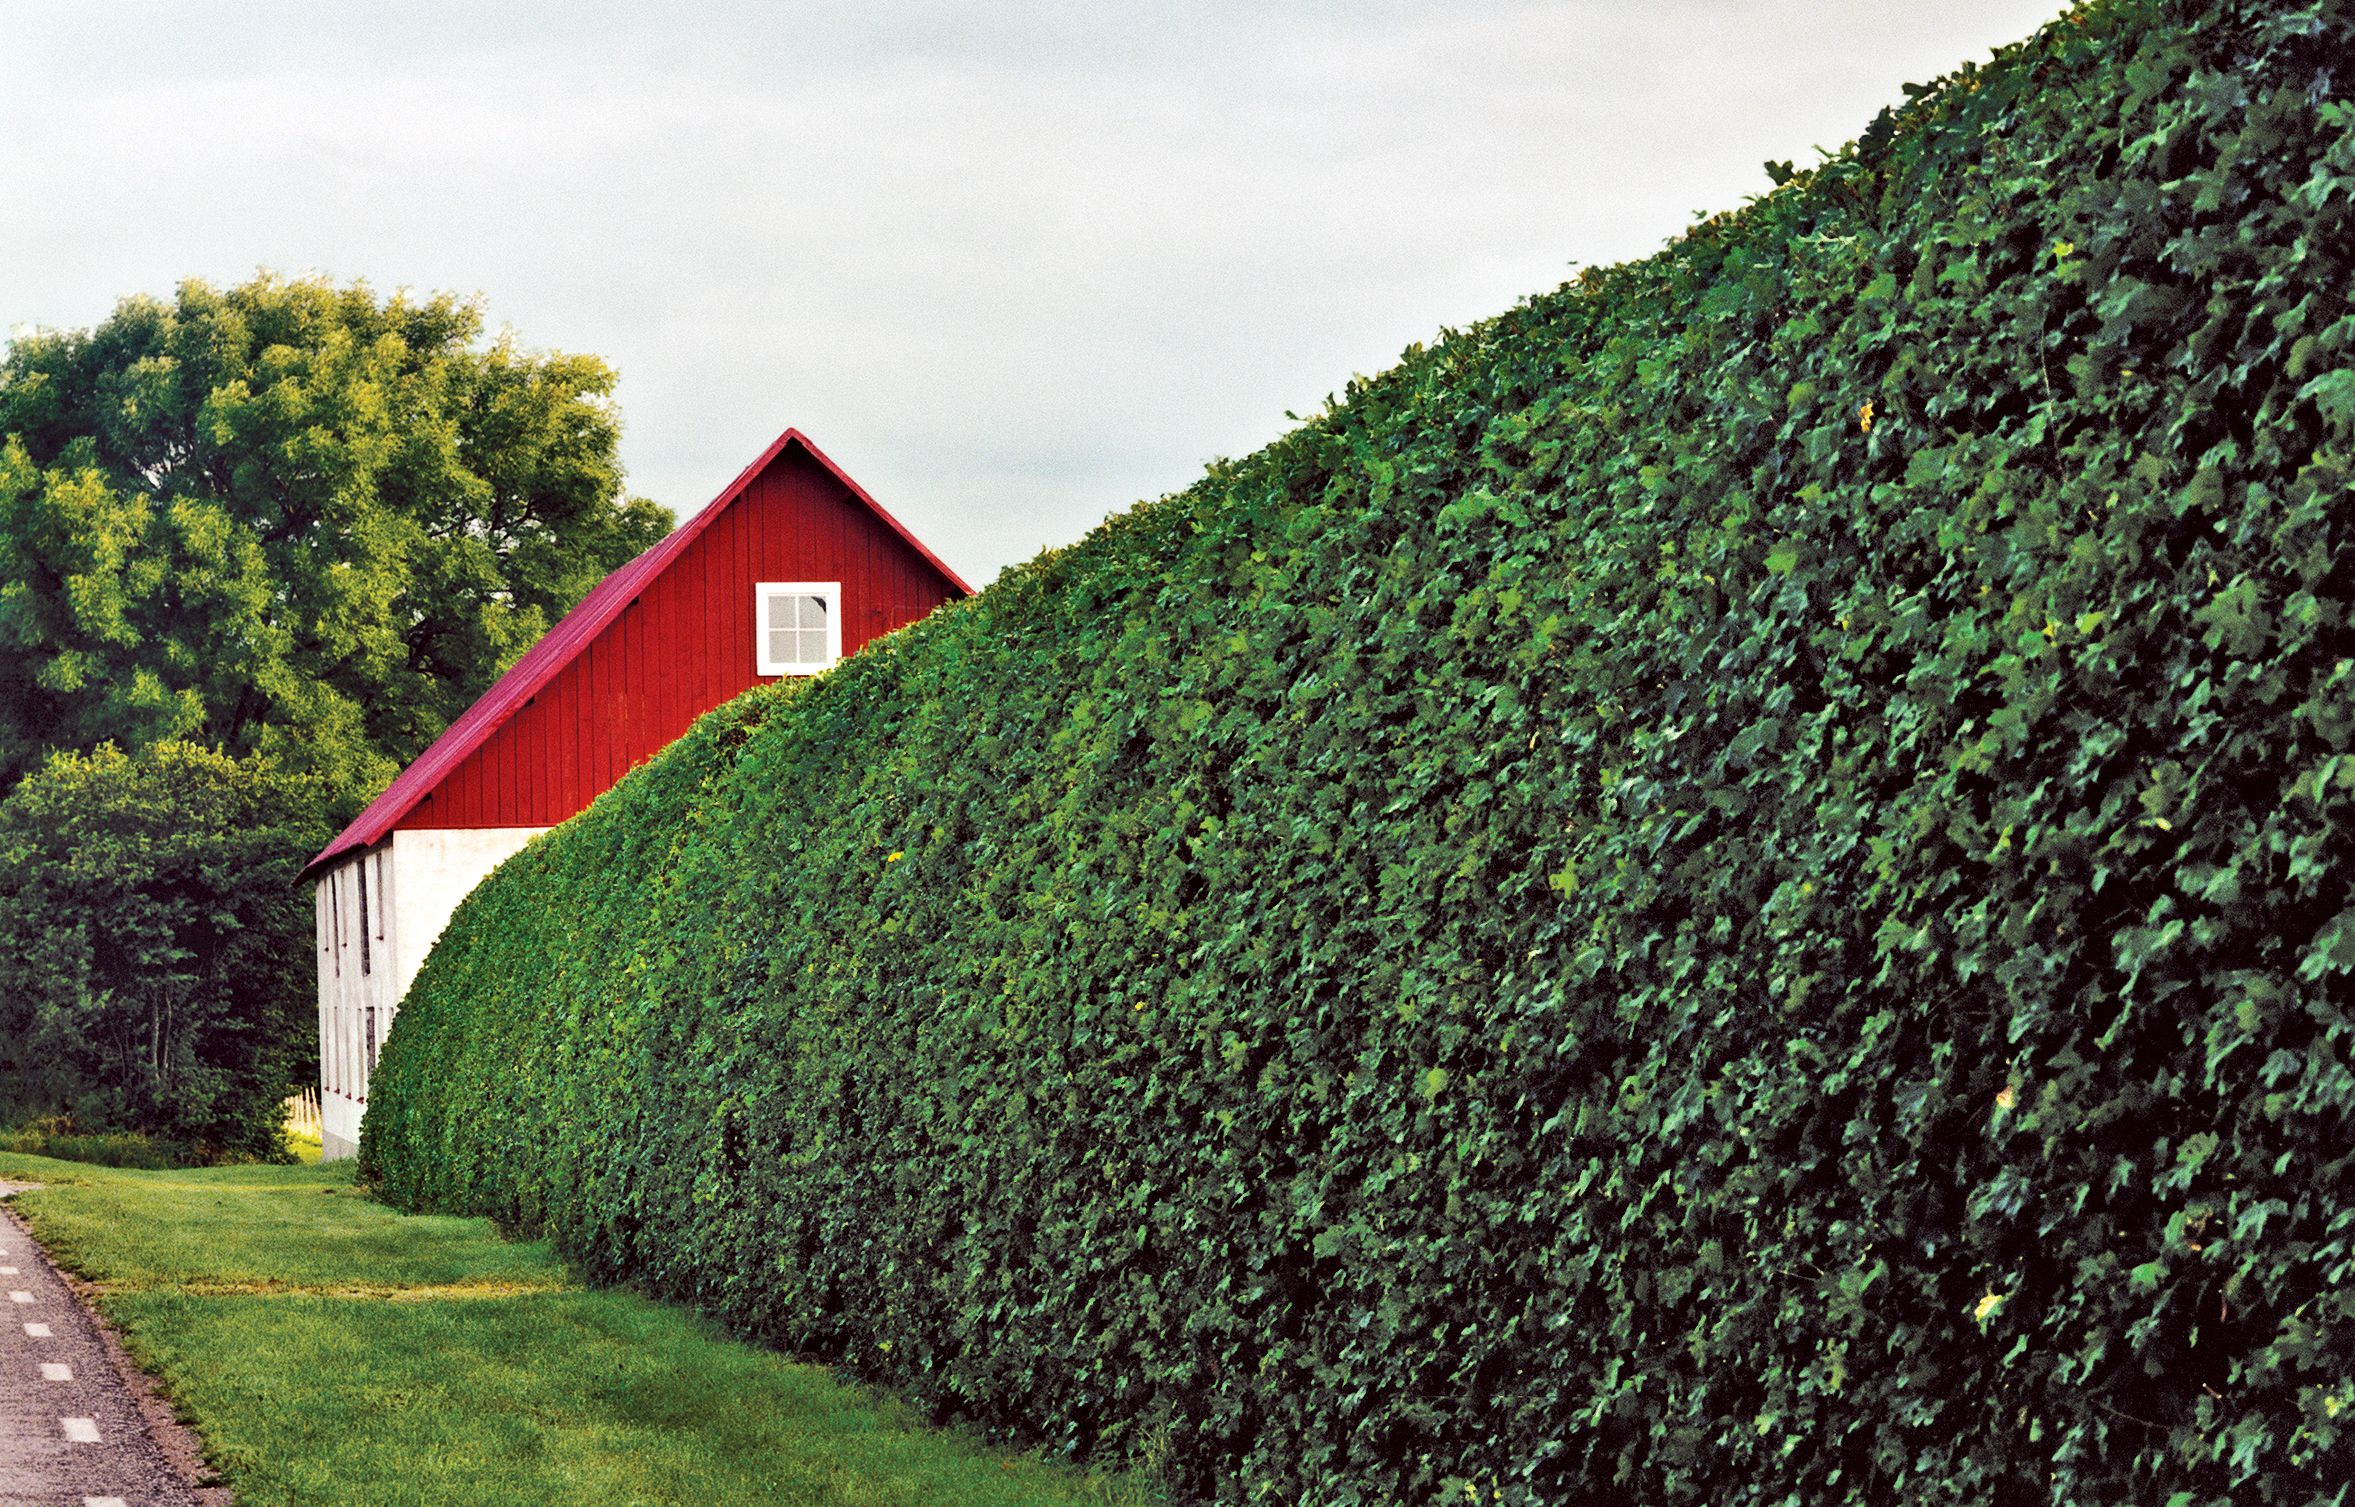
x=685 y=646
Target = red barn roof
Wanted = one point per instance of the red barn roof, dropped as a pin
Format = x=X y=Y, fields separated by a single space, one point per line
x=548 y=658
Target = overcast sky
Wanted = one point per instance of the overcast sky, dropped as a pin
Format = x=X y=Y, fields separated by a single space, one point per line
x=1013 y=265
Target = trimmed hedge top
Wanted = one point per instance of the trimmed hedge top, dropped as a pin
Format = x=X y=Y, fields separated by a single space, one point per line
x=1731 y=888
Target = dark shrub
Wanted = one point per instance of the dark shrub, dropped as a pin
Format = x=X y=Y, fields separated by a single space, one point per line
x=157 y=970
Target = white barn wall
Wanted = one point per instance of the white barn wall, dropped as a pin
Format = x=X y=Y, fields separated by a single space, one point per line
x=435 y=868
x=356 y=992
x=414 y=882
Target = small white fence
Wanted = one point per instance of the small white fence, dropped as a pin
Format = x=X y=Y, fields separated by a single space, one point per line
x=302 y=1115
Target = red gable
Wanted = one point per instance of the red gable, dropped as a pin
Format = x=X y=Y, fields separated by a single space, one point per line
x=840 y=555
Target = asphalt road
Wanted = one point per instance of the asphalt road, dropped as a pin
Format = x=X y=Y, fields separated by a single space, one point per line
x=71 y=1434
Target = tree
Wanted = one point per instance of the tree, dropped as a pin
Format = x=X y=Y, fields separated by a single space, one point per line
x=291 y=518
x=155 y=951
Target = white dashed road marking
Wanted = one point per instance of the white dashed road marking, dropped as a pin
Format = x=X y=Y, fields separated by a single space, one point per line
x=105 y=1454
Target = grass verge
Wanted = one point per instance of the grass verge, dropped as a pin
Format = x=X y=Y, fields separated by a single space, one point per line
x=332 y=1352
x=108 y=1149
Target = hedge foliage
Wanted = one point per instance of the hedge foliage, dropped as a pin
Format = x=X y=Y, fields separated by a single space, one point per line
x=1732 y=887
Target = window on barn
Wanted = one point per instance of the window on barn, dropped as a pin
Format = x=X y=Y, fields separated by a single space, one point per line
x=362 y=870
x=797 y=626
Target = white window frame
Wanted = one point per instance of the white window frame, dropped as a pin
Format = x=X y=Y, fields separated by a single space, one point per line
x=762 y=592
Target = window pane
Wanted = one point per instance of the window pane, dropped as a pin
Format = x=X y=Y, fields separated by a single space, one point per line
x=797 y=629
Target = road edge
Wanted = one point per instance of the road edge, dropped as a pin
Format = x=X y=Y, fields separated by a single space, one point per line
x=181 y=1445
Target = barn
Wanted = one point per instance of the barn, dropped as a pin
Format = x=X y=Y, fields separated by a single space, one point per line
x=788 y=570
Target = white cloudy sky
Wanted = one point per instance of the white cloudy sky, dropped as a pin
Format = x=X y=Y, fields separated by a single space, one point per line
x=1013 y=265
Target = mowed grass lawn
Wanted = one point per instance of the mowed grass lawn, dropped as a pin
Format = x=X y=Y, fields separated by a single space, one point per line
x=332 y=1351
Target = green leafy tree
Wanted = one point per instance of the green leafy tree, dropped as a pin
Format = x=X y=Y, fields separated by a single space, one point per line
x=155 y=951
x=291 y=518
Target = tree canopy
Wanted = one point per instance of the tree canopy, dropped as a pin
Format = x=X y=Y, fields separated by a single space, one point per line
x=291 y=518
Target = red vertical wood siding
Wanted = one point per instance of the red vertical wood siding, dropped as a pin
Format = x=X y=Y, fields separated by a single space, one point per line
x=685 y=646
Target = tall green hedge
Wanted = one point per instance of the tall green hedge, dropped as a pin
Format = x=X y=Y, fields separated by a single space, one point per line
x=1730 y=888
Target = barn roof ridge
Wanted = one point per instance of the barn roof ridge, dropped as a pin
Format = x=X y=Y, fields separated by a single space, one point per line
x=573 y=632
